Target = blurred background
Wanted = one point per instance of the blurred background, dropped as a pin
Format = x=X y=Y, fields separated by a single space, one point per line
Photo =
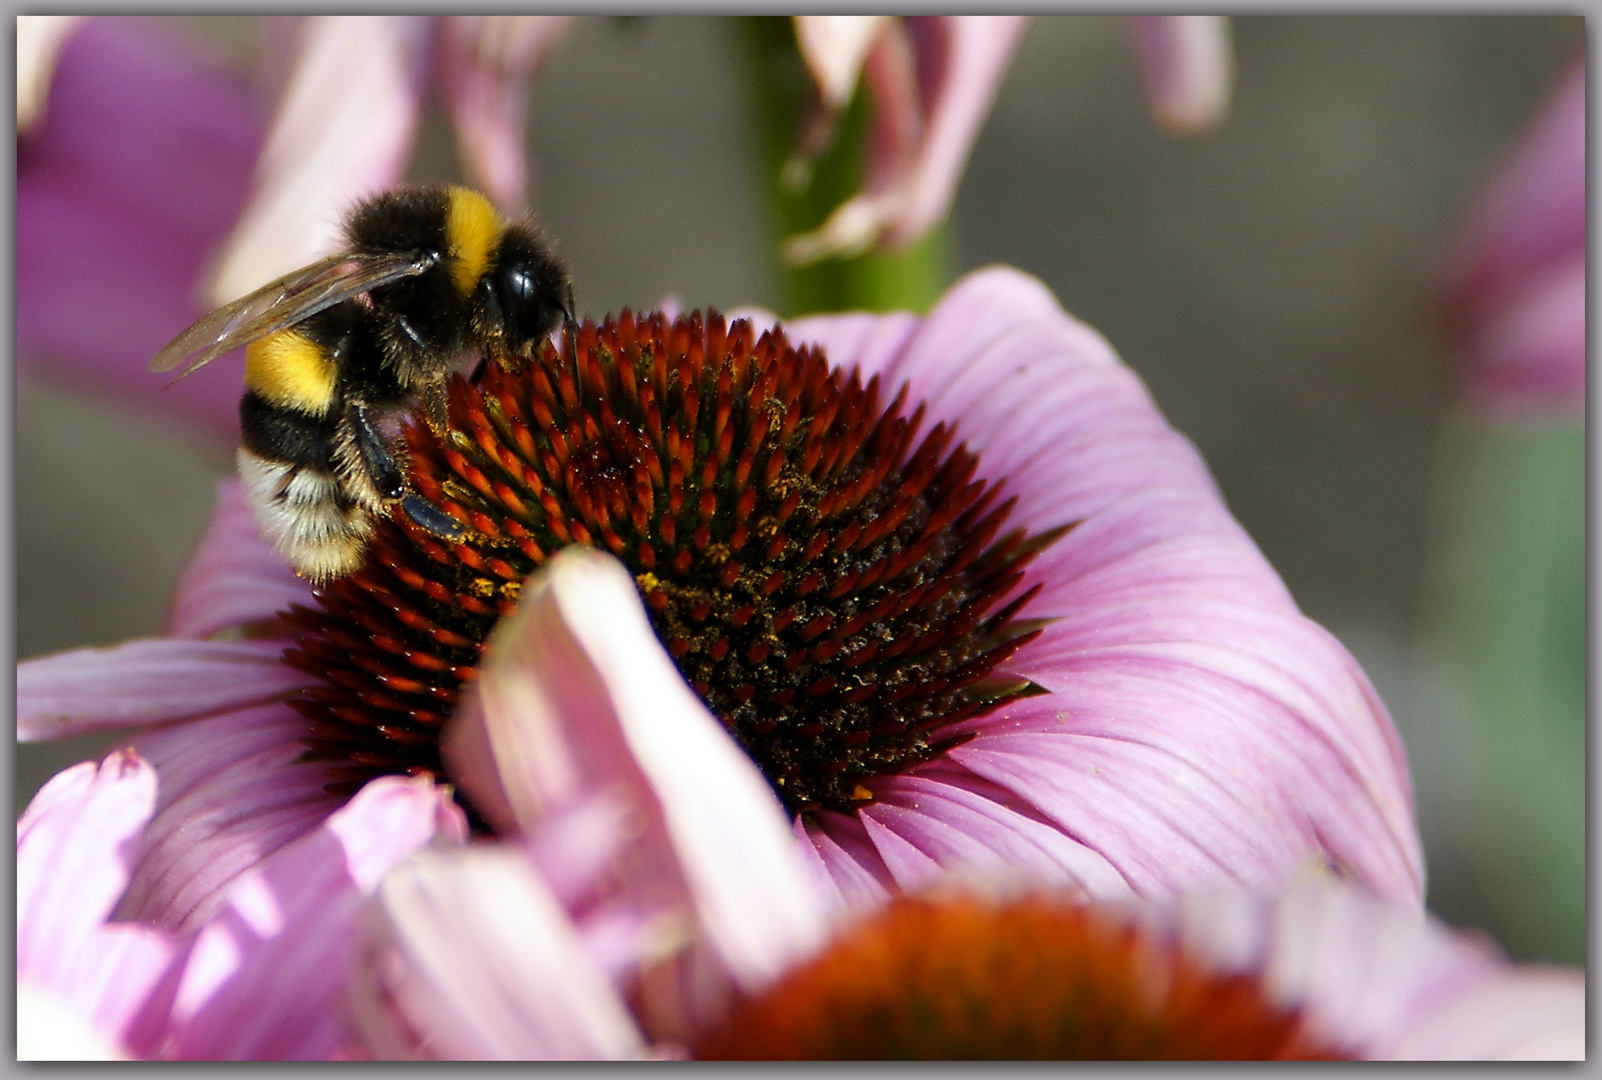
x=1272 y=285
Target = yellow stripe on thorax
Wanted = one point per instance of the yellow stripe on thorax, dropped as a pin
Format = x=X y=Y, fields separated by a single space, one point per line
x=472 y=229
x=289 y=370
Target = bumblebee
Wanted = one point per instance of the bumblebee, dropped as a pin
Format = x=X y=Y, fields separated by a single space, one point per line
x=429 y=276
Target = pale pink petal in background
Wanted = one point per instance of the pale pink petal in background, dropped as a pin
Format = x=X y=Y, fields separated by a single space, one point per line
x=487 y=63
x=1189 y=65
x=344 y=129
x=39 y=42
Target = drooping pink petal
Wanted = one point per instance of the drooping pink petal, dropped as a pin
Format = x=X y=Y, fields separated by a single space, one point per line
x=1532 y=212
x=468 y=955
x=833 y=48
x=487 y=63
x=266 y=976
x=576 y=695
x=137 y=172
x=343 y=130
x=1189 y=65
x=960 y=60
x=149 y=681
x=234 y=578
x=39 y=42
x=75 y=848
x=233 y=790
x=1198 y=725
x=1385 y=982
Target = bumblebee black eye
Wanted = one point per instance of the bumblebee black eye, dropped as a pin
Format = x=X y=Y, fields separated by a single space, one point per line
x=529 y=310
x=532 y=288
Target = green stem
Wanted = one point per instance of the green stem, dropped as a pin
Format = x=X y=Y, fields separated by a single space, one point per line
x=780 y=90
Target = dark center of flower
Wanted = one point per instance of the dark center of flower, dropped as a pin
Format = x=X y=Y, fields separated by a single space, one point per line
x=828 y=581
x=1028 y=980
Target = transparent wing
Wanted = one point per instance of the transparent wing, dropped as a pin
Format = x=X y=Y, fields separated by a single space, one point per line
x=283 y=303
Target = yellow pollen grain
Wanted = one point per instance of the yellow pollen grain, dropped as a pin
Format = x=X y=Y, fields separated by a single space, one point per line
x=291 y=371
x=472 y=229
x=860 y=792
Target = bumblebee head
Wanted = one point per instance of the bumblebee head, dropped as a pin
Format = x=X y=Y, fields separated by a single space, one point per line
x=531 y=289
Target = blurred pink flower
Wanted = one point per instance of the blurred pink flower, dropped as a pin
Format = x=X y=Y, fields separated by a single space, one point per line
x=1189 y=64
x=347 y=117
x=645 y=885
x=138 y=168
x=140 y=171
x=1514 y=299
x=933 y=79
x=260 y=975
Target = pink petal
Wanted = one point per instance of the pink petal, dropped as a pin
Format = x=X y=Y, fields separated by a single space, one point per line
x=1515 y=294
x=233 y=791
x=267 y=974
x=73 y=860
x=1529 y=349
x=956 y=819
x=74 y=852
x=833 y=48
x=234 y=578
x=1532 y=1014
x=1189 y=65
x=467 y=955
x=576 y=695
x=39 y=42
x=1533 y=210
x=839 y=847
x=136 y=173
x=151 y=681
x=961 y=59
x=960 y=63
x=1386 y=982
x=1199 y=726
x=488 y=62
x=343 y=130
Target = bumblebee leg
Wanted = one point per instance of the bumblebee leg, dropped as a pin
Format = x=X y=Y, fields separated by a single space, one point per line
x=386 y=475
x=434 y=406
x=434 y=519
